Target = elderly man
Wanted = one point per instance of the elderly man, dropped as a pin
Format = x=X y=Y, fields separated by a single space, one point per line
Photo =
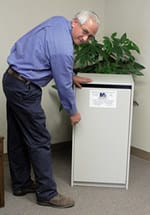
x=43 y=54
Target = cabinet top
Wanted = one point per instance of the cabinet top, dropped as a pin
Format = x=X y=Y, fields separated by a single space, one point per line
x=111 y=79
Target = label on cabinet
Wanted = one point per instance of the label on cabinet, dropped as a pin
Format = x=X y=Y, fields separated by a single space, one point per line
x=102 y=98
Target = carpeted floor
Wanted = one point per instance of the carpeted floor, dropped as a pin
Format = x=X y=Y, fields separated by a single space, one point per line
x=89 y=200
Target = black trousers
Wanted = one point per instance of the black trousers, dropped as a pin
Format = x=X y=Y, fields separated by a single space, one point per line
x=28 y=138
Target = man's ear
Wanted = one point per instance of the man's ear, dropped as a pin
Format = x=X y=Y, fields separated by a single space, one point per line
x=74 y=22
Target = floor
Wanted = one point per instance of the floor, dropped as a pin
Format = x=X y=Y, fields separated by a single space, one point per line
x=89 y=200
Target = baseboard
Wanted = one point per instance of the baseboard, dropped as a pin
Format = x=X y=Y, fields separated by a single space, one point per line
x=63 y=145
x=140 y=153
x=134 y=151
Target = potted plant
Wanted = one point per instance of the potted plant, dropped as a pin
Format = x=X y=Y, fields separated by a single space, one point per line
x=113 y=55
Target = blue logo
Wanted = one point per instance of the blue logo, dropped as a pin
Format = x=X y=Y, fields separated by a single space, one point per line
x=102 y=94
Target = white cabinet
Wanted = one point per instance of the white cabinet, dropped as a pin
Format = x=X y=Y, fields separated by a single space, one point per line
x=101 y=140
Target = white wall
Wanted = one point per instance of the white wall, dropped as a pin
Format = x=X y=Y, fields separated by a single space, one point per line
x=132 y=17
x=19 y=16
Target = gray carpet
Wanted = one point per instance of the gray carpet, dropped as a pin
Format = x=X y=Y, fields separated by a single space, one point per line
x=89 y=200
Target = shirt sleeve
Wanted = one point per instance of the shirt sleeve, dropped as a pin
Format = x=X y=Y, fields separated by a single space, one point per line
x=60 y=48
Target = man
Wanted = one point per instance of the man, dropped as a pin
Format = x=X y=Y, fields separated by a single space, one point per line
x=43 y=54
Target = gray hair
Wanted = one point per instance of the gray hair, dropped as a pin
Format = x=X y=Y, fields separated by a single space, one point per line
x=84 y=15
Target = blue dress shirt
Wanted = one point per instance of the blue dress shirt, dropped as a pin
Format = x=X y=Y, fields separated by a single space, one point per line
x=46 y=53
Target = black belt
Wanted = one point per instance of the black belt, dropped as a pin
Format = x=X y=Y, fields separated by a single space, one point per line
x=17 y=75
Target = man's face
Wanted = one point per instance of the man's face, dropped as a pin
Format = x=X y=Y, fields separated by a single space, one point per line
x=83 y=33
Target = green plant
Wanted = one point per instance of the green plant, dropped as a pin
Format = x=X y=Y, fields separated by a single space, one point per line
x=113 y=56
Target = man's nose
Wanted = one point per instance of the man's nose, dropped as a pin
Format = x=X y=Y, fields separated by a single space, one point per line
x=85 y=38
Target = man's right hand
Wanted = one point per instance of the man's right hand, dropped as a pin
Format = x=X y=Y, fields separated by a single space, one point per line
x=75 y=118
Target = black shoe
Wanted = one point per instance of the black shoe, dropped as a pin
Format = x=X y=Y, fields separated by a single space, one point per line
x=58 y=201
x=24 y=191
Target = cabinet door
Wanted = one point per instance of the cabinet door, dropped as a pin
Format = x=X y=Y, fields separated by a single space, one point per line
x=101 y=139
